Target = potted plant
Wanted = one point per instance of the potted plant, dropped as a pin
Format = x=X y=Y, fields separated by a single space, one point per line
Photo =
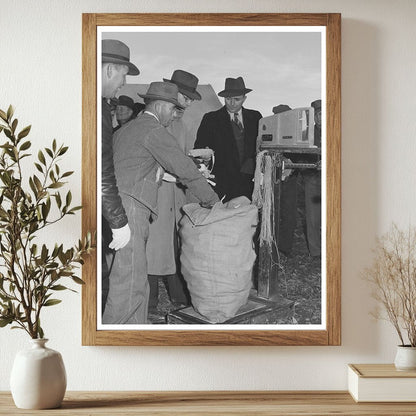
x=393 y=277
x=31 y=273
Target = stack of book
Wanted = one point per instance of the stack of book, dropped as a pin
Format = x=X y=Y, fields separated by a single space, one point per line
x=381 y=383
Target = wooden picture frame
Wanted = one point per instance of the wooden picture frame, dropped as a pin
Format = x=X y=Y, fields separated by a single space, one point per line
x=331 y=334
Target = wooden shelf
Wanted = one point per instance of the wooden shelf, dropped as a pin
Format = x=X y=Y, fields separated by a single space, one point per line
x=221 y=403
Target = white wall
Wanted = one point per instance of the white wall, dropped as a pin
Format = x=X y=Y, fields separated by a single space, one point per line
x=40 y=74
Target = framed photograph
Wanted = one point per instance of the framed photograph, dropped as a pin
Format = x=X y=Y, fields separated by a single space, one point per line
x=261 y=267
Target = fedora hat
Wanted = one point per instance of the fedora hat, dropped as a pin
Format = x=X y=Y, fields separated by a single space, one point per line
x=165 y=91
x=316 y=104
x=281 y=108
x=234 y=87
x=126 y=101
x=116 y=52
x=186 y=83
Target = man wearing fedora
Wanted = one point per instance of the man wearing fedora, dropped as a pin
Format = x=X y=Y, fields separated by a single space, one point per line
x=231 y=132
x=162 y=245
x=115 y=66
x=143 y=150
x=124 y=110
x=115 y=229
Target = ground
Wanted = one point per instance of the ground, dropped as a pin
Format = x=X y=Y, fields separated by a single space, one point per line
x=299 y=280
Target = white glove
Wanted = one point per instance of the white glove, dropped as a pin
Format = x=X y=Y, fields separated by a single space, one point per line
x=121 y=236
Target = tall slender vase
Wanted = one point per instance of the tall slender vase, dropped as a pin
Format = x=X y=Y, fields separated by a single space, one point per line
x=38 y=377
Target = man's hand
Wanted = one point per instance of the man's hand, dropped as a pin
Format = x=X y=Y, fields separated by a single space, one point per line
x=121 y=236
x=207 y=205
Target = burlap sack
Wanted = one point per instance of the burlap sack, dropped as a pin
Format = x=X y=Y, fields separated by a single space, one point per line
x=217 y=256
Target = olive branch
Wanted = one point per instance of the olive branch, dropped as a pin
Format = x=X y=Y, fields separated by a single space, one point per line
x=31 y=274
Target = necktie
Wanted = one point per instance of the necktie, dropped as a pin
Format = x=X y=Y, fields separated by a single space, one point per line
x=237 y=121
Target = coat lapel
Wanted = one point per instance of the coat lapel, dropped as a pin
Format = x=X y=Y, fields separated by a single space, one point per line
x=250 y=136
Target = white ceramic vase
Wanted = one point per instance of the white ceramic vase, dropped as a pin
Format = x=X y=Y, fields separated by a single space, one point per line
x=38 y=377
x=405 y=358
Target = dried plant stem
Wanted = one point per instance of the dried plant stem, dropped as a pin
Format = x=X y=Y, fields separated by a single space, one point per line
x=393 y=276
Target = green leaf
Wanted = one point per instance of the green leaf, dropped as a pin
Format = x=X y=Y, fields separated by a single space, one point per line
x=56 y=185
x=44 y=253
x=24 y=133
x=49 y=152
x=33 y=187
x=68 y=199
x=54 y=275
x=40 y=331
x=34 y=226
x=10 y=112
x=51 y=302
x=60 y=249
x=62 y=257
x=39 y=167
x=25 y=155
x=25 y=145
x=58 y=199
x=63 y=150
x=37 y=183
x=45 y=211
x=67 y=174
x=54 y=145
x=3 y=115
x=76 y=279
x=59 y=287
x=5 y=297
x=8 y=133
x=41 y=157
x=77 y=208
x=55 y=251
x=14 y=125
x=5 y=321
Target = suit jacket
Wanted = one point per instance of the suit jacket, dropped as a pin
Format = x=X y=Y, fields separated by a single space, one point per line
x=215 y=131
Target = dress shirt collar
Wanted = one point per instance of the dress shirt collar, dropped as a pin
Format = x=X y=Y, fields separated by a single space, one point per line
x=152 y=114
x=239 y=115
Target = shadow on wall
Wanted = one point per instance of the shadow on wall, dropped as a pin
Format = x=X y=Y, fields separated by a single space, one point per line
x=361 y=185
x=360 y=172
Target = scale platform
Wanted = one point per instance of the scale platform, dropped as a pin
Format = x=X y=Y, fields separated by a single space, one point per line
x=255 y=311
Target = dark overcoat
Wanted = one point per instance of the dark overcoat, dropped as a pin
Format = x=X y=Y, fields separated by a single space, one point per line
x=233 y=178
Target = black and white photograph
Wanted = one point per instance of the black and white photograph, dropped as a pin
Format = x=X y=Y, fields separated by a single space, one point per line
x=211 y=177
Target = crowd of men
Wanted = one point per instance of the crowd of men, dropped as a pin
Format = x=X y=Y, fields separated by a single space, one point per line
x=147 y=176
